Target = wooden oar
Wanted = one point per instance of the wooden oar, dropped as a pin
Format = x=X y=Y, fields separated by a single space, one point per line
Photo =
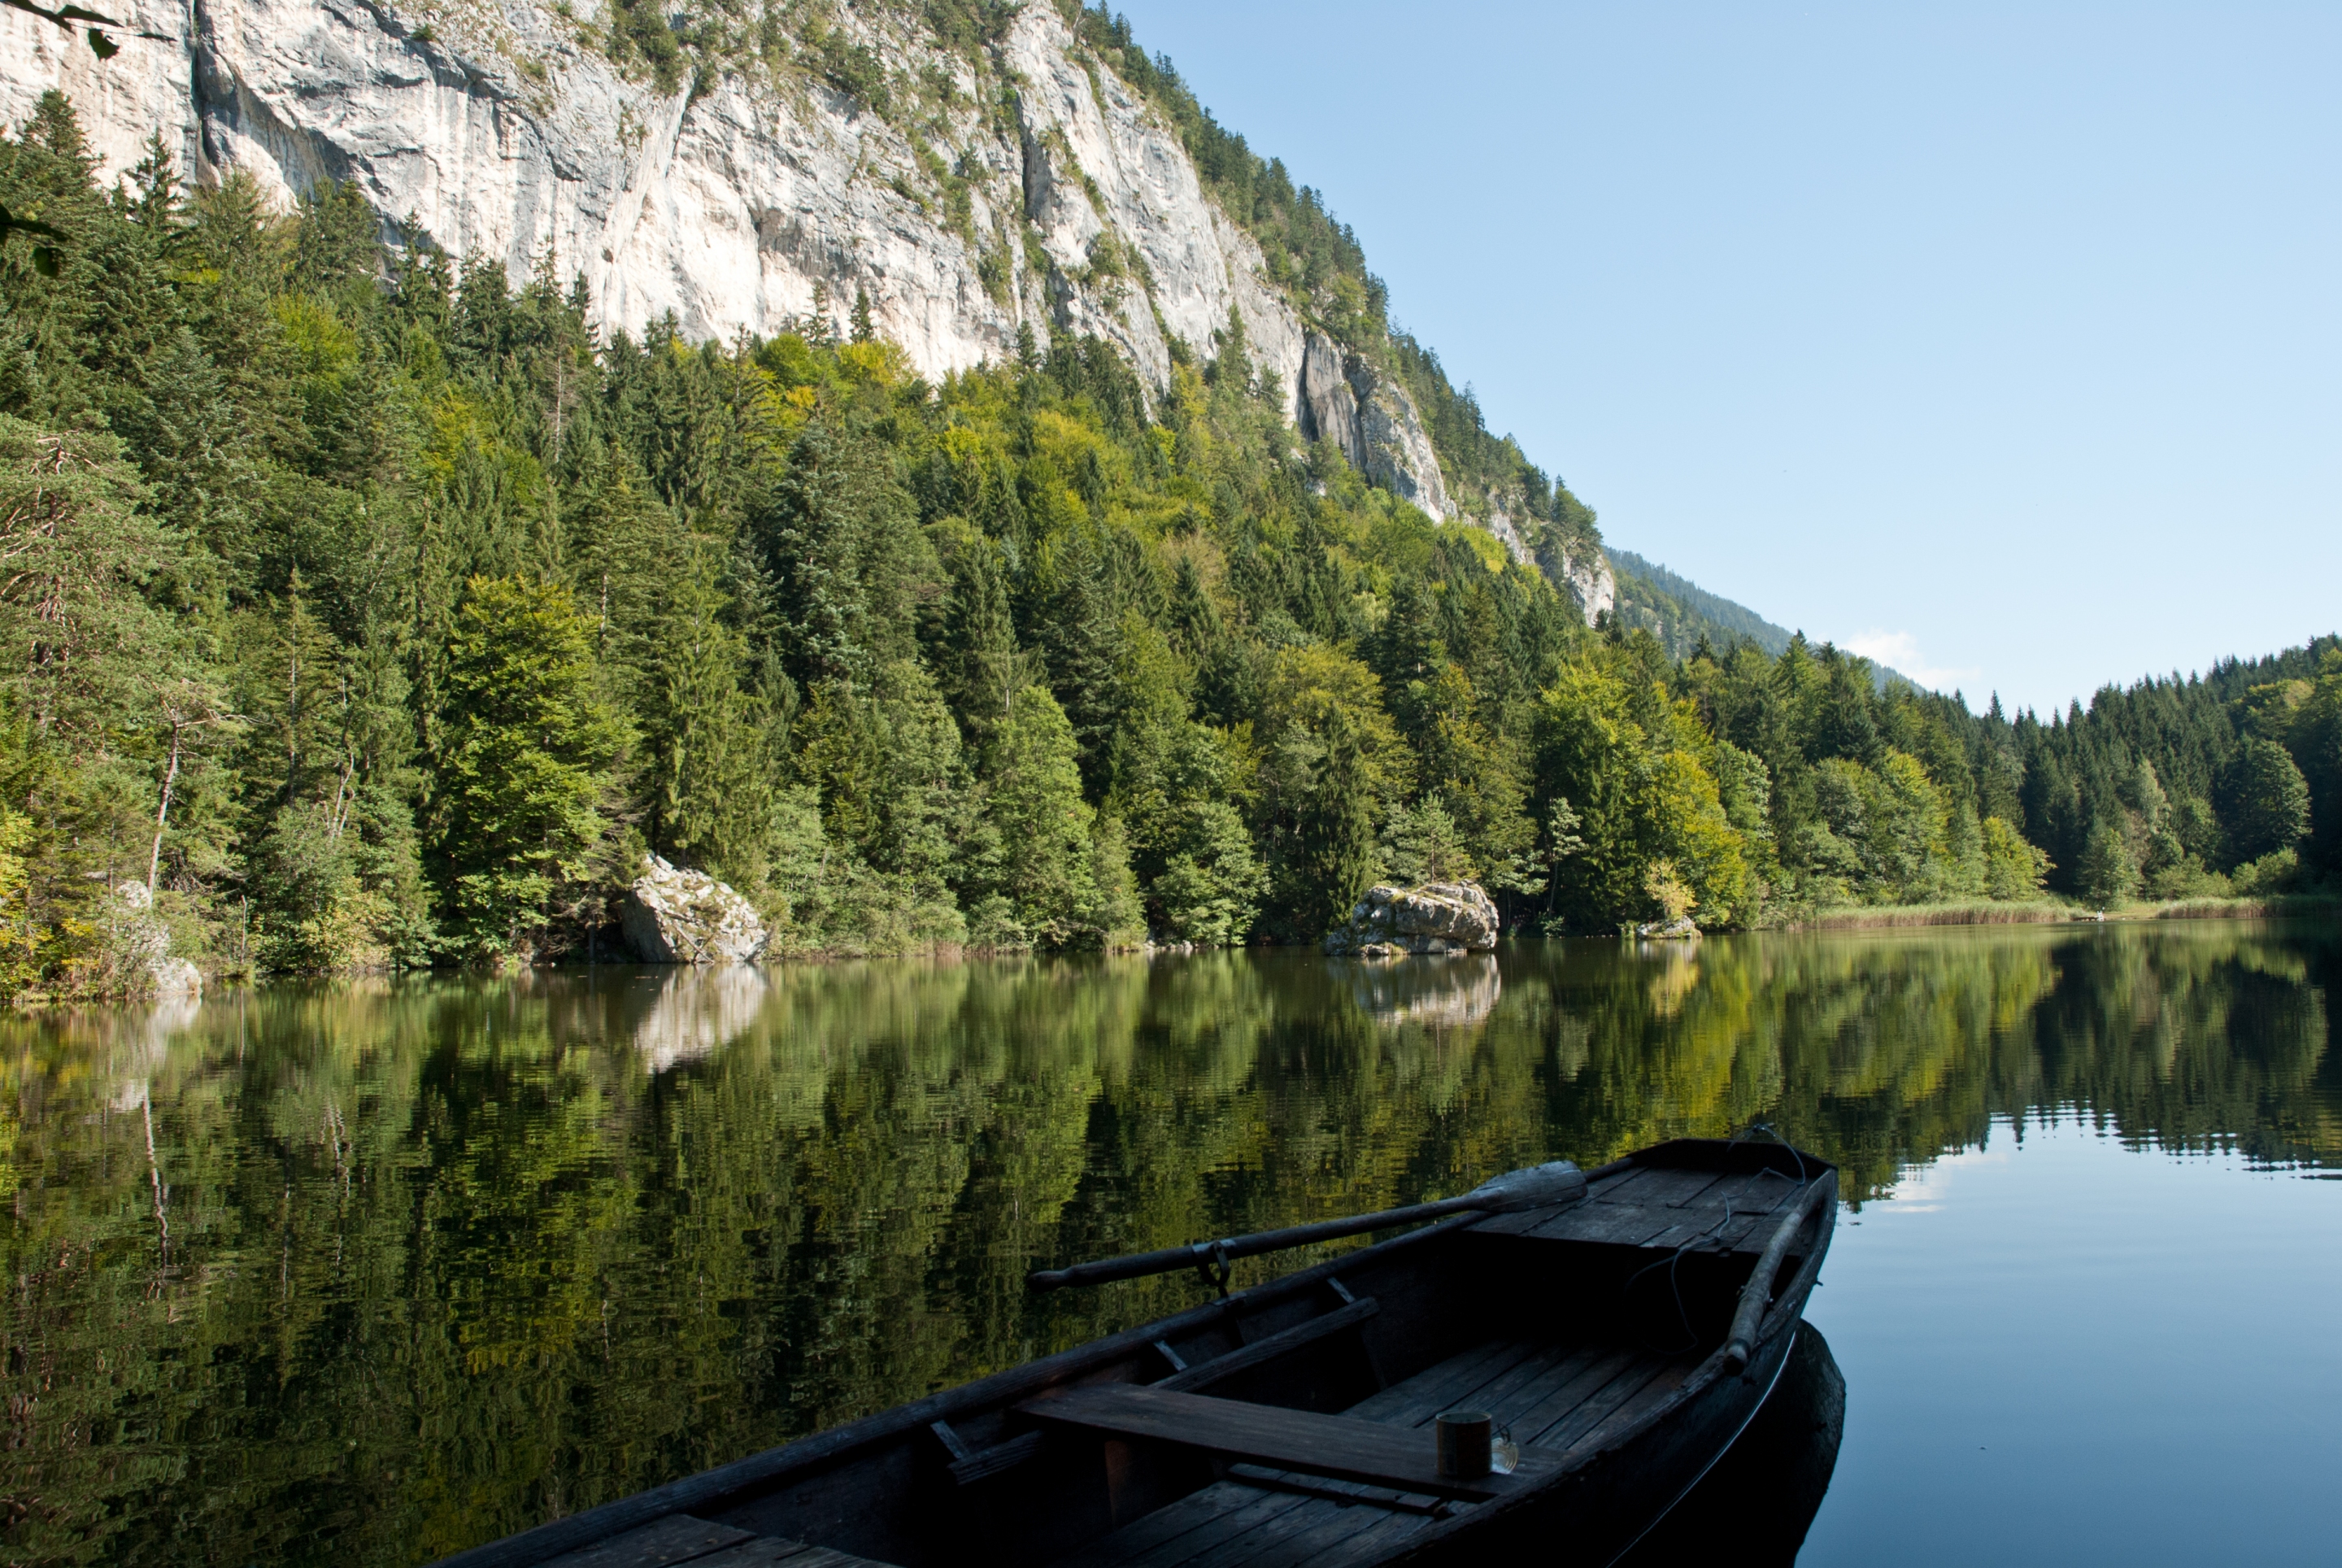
x=1538 y=1187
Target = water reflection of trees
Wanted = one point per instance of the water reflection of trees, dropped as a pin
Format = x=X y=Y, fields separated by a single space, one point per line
x=447 y=1257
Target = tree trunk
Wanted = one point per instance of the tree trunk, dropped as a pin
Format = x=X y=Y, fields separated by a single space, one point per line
x=163 y=813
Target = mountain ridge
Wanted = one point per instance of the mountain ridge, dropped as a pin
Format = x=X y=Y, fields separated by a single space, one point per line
x=1678 y=611
x=971 y=173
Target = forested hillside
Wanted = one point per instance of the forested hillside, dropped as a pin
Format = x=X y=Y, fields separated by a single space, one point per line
x=1680 y=613
x=371 y=611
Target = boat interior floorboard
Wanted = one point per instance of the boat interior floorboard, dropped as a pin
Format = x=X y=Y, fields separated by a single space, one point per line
x=677 y=1538
x=680 y=1539
x=1552 y=1397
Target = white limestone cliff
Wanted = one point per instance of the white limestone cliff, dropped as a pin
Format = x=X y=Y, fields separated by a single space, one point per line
x=1345 y=400
x=504 y=130
x=1585 y=573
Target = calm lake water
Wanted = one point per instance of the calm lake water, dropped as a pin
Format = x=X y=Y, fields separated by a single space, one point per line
x=367 y=1273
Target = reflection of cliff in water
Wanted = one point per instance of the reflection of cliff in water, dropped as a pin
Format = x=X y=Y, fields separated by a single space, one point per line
x=1443 y=992
x=699 y=1009
x=1754 y=1507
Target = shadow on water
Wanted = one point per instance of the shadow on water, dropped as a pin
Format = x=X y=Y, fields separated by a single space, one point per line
x=1754 y=1506
x=371 y=1271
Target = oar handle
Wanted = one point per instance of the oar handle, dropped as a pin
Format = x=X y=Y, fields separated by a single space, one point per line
x=1756 y=1294
x=1204 y=1254
x=1541 y=1185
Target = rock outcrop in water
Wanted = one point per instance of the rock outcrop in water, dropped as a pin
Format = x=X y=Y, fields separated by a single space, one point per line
x=675 y=916
x=1432 y=918
x=1023 y=187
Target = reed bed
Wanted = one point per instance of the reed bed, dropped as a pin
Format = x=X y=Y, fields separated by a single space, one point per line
x=1881 y=917
x=2043 y=912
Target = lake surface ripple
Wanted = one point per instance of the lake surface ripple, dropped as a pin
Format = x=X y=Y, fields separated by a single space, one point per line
x=371 y=1271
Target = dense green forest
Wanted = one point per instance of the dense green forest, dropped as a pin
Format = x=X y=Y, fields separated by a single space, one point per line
x=371 y=609
x=2180 y=786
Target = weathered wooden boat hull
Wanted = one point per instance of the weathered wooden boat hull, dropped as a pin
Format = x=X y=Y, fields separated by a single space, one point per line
x=1759 y=1502
x=1625 y=1340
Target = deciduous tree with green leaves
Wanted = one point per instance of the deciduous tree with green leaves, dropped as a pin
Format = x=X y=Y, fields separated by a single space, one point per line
x=518 y=816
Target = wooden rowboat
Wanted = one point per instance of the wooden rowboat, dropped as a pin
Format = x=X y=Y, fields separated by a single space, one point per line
x=1625 y=1327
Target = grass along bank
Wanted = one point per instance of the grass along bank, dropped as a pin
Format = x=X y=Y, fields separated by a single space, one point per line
x=2053 y=912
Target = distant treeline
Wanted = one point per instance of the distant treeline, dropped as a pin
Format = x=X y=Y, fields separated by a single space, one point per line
x=373 y=610
x=2178 y=787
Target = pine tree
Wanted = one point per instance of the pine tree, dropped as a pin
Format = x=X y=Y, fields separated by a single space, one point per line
x=986 y=669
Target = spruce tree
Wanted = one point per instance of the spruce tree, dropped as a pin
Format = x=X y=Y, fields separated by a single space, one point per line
x=1336 y=856
x=1082 y=640
x=709 y=770
x=985 y=666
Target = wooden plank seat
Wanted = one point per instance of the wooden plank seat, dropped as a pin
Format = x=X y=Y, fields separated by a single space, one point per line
x=971 y=1465
x=1339 y=1446
x=1555 y=1399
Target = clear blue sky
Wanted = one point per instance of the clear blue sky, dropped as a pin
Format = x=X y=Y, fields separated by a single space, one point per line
x=2004 y=342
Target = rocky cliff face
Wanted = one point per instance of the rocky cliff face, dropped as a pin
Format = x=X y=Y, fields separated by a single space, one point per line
x=1587 y=574
x=1345 y=400
x=1022 y=184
